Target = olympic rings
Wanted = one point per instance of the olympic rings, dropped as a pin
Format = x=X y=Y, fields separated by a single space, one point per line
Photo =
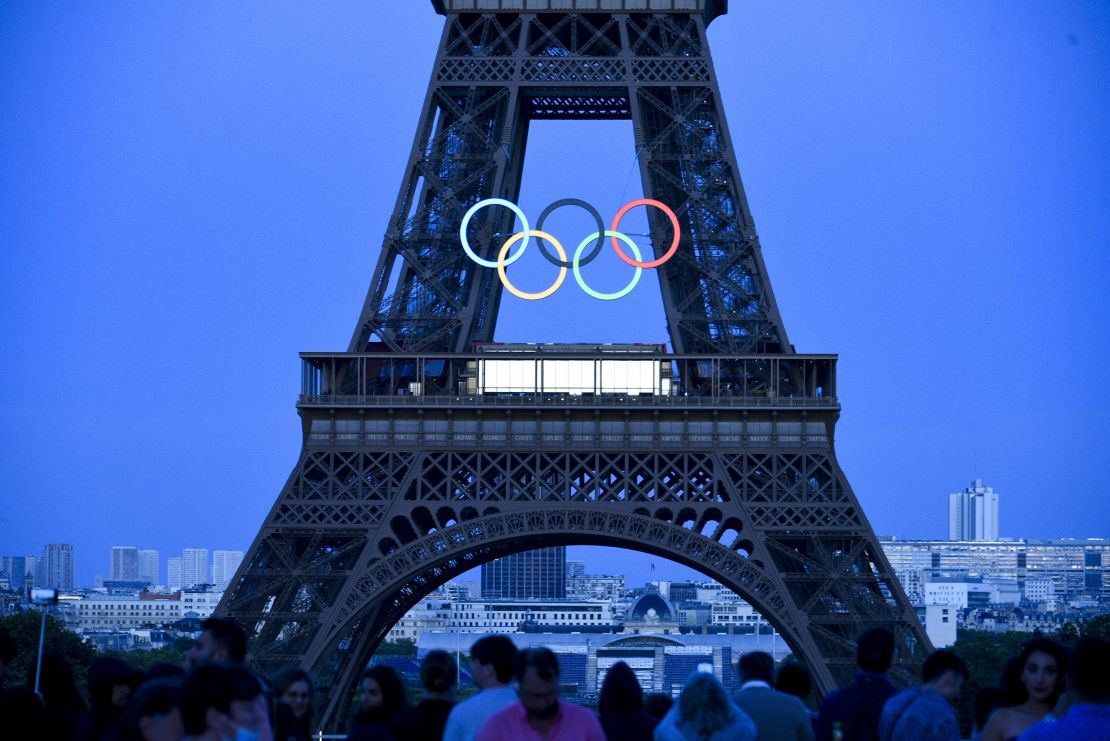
x=674 y=223
x=493 y=202
x=576 y=263
x=578 y=273
x=502 y=263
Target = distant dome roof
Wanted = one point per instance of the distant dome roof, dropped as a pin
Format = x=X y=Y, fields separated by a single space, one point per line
x=651 y=607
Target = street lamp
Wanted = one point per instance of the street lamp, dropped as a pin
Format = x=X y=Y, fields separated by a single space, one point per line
x=42 y=596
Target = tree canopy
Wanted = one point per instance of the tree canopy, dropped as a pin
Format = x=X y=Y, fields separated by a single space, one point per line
x=23 y=627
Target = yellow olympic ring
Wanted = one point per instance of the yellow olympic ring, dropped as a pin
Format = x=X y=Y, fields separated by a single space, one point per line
x=505 y=278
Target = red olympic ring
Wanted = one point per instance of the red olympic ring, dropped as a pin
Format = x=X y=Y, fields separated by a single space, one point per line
x=674 y=223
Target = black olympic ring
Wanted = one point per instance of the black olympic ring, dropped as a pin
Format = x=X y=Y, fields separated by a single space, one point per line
x=600 y=231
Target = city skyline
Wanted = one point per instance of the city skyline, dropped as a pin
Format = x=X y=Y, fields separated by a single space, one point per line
x=128 y=563
x=190 y=209
x=598 y=560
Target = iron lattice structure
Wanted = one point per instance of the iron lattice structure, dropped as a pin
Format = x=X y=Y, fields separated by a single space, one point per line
x=726 y=464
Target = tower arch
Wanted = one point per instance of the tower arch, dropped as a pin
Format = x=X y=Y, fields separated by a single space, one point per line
x=387 y=587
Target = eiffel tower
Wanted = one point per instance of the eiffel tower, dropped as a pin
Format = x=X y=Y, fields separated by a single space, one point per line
x=419 y=464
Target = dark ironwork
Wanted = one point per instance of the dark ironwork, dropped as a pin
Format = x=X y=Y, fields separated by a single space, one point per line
x=496 y=71
x=416 y=466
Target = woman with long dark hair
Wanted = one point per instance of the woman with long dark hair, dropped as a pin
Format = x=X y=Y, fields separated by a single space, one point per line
x=381 y=700
x=293 y=689
x=1031 y=686
x=111 y=682
x=427 y=719
x=621 y=706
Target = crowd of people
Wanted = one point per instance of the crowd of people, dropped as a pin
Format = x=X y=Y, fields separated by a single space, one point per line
x=1045 y=693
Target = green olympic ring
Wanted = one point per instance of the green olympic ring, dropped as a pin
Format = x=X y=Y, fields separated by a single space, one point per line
x=578 y=273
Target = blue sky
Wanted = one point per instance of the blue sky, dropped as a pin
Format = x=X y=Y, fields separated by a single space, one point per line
x=193 y=193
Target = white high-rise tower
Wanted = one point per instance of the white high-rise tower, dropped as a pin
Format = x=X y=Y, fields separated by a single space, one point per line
x=57 y=566
x=194 y=567
x=148 y=566
x=224 y=564
x=175 y=572
x=973 y=513
x=124 y=565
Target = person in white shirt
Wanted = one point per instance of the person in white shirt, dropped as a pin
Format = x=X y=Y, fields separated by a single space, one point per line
x=491 y=664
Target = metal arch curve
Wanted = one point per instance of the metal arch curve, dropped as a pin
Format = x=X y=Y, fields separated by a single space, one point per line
x=384 y=592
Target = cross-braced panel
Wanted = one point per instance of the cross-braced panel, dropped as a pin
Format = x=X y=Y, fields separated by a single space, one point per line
x=421 y=297
x=667 y=35
x=481 y=35
x=478 y=70
x=670 y=70
x=573 y=34
x=573 y=70
x=718 y=295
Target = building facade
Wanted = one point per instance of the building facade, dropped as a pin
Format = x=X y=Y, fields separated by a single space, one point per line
x=148 y=566
x=175 y=572
x=609 y=587
x=459 y=614
x=124 y=564
x=34 y=576
x=102 y=613
x=941 y=622
x=973 y=513
x=735 y=613
x=1041 y=592
x=194 y=567
x=58 y=566
x=500 y=616
x=1077 y=568
x=200 y=602
x=224 y=564
x=962 y=593
x=913 y=584
x=536 y=574
x=13 y=569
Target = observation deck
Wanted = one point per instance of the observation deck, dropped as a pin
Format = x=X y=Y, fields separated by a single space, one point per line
x=567 y=397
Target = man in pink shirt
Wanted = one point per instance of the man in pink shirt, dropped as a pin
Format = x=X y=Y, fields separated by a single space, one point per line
x=540 y=715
